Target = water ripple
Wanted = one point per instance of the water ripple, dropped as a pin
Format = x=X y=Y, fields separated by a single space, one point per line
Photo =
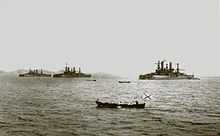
x=54 y=107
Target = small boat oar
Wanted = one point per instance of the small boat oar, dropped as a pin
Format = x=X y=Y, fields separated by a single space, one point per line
x=147 y=96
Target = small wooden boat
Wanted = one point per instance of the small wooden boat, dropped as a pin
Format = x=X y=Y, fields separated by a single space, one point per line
x=115 y=105
x=124 y=81
x=91 y=80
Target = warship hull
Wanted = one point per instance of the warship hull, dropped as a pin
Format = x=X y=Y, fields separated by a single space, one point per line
x=167 y=72
x=71 y=76
x=72 y=73
x=188 y=77
x=35 y=73
x=28 y=75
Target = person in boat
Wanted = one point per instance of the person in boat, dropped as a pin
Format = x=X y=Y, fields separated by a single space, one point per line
x=136 y=102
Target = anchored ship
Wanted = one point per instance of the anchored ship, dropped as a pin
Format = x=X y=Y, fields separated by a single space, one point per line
x=35 y=73
x=166 y=72
x=71 y=73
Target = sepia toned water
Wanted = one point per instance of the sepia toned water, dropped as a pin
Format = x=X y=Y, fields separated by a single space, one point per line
x=66 y=107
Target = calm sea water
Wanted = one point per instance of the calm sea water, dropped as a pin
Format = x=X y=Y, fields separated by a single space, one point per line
x=66 y=107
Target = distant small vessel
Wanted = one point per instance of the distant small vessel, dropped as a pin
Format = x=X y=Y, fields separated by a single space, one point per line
x=35 y=73
x=116 y=105
x=71 y=73
x=166 y=73
x=124 y=81
x=91 y=80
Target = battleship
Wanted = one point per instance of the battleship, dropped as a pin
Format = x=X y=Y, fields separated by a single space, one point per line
x=35 y=73
x=165 y=72
x=71 y=73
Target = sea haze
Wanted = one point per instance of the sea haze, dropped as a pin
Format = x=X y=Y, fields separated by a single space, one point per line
x=55 y=107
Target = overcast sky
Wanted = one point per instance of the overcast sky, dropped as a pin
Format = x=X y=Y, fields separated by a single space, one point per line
x=122 y=37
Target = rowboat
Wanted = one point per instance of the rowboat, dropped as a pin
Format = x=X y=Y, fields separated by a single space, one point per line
x=116 y=105
x=124 y=81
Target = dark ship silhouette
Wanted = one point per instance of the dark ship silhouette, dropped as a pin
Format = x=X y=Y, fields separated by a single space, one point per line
x=166 y=73
x=71 y=73
x=35 y=73
x=119 y=105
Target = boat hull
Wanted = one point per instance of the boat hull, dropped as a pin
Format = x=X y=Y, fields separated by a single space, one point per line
x=155 y=77
x=71 y=76
x=115 y=105
x=124 y=82
x=40 y=75
x=167 y=72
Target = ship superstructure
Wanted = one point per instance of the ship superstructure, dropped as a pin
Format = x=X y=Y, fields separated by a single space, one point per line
x=166 y=72
x=71 y=73
x=35 y=73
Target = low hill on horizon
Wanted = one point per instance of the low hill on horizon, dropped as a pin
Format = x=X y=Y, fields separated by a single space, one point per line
x=104 y=75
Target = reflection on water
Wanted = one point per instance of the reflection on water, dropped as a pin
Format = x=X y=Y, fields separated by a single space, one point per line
x=55 y=107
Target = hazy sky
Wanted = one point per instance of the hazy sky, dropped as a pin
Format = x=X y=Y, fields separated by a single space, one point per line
x=123 y=37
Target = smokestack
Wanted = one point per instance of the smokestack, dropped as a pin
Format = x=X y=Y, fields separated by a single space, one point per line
x=66 y=69
x=74 y=70
x=170 y=66
x=166 y=66
x=79 y=70
x=177 y=68
x=162 y=65
x=158 y=65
